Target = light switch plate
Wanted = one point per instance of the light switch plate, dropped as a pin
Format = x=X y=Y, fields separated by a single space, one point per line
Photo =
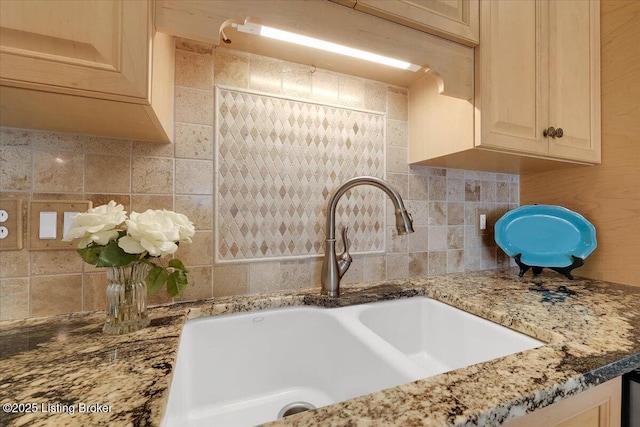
x=59 y=207
x=13 y=224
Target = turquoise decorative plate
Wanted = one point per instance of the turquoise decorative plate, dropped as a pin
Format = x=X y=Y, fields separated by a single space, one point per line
x=545 y=235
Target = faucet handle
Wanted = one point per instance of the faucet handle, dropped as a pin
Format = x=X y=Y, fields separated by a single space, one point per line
x=344 y=259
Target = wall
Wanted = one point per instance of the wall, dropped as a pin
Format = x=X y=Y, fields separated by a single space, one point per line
x=608 y=194
x=181 y=176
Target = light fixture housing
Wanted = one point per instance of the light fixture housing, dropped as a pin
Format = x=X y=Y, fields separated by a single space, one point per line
x=286 y=36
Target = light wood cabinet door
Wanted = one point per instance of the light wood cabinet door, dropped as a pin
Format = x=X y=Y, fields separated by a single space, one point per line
x=457 y=20
x=511 y=76
x=537 y=67
x=574 y=79
x=92 y=48
x=597 y=407
x=90 y=67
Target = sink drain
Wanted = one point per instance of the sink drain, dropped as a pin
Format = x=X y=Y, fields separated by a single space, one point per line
x=294 y=408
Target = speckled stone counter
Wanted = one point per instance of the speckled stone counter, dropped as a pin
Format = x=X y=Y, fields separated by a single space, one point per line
x=592 y=328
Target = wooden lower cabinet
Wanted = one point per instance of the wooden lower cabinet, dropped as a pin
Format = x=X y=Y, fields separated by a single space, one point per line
x=596 y=407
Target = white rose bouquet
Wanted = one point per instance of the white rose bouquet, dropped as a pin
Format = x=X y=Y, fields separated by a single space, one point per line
x=109 y=239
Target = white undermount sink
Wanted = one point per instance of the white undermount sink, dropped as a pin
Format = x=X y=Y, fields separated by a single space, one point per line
x=247 y=368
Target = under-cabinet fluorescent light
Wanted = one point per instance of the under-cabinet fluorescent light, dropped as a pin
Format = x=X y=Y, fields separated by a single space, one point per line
x=273 y=33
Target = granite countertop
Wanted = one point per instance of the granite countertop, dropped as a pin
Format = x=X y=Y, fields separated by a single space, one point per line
x=592 y=329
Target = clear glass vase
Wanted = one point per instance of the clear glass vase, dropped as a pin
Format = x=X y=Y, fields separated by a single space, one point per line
x=126 y=299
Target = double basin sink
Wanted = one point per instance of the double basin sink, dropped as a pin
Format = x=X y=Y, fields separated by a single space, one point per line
x=244 y=369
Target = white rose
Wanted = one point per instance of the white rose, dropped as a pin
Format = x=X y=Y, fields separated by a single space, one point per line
x=152 y=231
x=185 y=226
x=96 y=225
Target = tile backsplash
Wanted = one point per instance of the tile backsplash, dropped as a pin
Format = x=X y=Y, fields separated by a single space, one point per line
x=183 y=176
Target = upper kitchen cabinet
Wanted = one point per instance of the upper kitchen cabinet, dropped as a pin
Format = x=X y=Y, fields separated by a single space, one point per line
x=455 y=20
x=537 y=92
x=206 y=21
x=90 y=67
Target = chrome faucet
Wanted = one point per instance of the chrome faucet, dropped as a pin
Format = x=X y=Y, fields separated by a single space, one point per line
x=335 y=266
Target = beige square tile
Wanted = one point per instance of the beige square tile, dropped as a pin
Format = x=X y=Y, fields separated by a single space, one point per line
x=159 y=297
x=455 y=190
x=152 y=149
x=375 y=268
x=418 y=187
x=419 y=209
x=231 y=68
x=194 y=70
x=488 y=257
x=397 y=266
x=455 y=213
x=437 y=188
x=265 y=277
x=14 y=137
x=56 y=294
x=397 y=106
x=455 y=237
x=502 y=192
x=193 y=46
x=514 y=193
x=194 y=106
x=15 y=169
x=152 y=175
x=324 y=86
x=296 y=274
x=351 y=91
x=397 y=160
x=296 y=80
x=396 y=243
x=265 y=74
x=199 y=251
x=419 y=239
x=142 y=202
x=355 y=273
x=472 y=260
x=94 y=295
x=472 y=191
x=375 y=96
x=104 y=145
x=437 y=213
x=455 y=261
x=103 y=199
x=199 y=209
x=194 y=141
x=58 y=141
x=58 y=171
x=200 y=284
x=488 y=191
x=397 y=133
x=107 y=174
x=230 y=280
x=14 y=303
x=438 y=238
x=194 y=176
x=437 y=263
x=55 y=262
x=14 y=263
x=418 y=264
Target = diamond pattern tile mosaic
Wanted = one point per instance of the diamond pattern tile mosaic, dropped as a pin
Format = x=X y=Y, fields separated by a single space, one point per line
x=278 y=160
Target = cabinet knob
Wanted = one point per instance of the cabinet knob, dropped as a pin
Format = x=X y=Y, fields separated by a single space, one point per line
x=550 y=132
x=559 y=133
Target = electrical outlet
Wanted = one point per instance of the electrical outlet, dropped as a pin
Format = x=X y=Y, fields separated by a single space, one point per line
x=11 y=221
x=482 y=222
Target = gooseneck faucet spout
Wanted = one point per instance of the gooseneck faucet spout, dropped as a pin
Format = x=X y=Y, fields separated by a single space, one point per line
x=334 y=266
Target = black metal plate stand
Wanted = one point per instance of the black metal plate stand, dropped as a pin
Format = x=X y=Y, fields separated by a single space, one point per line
x=565 y=271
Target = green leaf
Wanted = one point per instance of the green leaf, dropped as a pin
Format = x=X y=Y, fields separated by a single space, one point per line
x=177 y=264
x=156 y=277
x=90 y=254
x=112 y=255
x=176 y=283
